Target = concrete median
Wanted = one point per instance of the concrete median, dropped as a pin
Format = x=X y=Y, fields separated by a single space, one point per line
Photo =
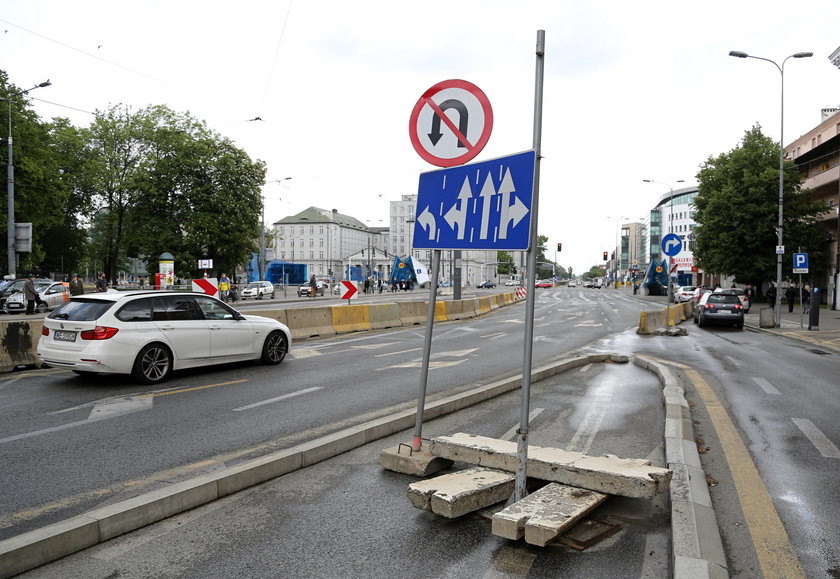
x=310 y=322
x=383 y=316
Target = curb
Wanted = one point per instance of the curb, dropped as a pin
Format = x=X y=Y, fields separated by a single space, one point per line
x=695 y=536
x=52 y=542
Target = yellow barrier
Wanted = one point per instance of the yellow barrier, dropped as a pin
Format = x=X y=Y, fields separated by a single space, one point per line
x=666 y=318
x=483 y=305
x=350 y=319
x=440 y=310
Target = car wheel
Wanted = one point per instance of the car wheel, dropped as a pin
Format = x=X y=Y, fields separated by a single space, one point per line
x=740 y=325
x=275 y=348
x=153 y=364
x=41 y=308
x=700 y=321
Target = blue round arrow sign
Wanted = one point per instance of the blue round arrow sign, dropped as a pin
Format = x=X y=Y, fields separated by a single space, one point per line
x=671 y=244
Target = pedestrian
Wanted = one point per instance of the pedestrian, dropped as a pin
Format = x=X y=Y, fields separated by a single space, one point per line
x=790 y=296
x=313 y=286
x=749 y=293
x=806 y=299
x=771 y=295
x=224 y=286
x=101 y=284
x=77 y=288
x=367 y=285
x=141 y=283
x=379 y=284
x=30 y=294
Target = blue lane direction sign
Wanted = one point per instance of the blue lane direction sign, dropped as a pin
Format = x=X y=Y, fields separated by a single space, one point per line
x=671 y=244
x=484 y=205
x=800 y=263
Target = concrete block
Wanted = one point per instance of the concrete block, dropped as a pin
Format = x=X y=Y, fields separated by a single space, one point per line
x=462 y=492
x=546 y=513
x=153 y=506
x=402 y=458
x=609 y=474
x=41 y=546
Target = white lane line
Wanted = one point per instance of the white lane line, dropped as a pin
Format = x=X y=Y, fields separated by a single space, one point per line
x=585 y=368
x=496 y=335
x=591 y=423
x=512 y=432
x=279 y=398
x=820 y=441
x=395 y=353
x=300 y=353
x=765 y=385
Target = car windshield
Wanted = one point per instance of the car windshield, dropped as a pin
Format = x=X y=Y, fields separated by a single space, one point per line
x=724 y=299
x=253 y=284
x=82 y=310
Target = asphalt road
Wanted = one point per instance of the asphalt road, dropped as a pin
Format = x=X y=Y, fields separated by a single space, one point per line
x=72 y=443
x=347 y=517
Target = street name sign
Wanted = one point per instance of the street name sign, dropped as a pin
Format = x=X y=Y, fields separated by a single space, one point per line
x=484 y=205
x=671 y=244
x=451 y=123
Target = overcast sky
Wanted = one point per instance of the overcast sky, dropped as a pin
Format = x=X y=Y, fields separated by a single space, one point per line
x=633 y=90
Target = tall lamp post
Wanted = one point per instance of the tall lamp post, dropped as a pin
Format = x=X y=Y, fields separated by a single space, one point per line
x=261 y=264
x=10 y=179
x=670 y=229
x=780 y=248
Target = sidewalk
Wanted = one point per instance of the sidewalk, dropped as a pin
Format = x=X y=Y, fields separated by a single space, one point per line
x=795 y=326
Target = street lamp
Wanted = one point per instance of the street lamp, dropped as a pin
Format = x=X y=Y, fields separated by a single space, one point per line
x=10 y=179
x=670 y=228
x=261 y=264
x=780 y=248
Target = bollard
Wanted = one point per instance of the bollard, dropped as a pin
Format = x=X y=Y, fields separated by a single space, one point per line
x=814 y=312
x=765 y=318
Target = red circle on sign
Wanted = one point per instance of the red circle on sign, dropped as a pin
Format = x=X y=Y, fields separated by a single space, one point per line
x=422 y=144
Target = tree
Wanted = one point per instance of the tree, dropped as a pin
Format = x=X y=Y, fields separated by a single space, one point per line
x=736 y=211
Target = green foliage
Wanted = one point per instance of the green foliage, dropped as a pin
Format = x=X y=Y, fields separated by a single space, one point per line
x=736 y=210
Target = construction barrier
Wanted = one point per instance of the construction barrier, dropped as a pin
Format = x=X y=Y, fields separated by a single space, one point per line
x=310 y=322
x=413 y=313
x=483 y=305
x=651 y=321
x=383 y=316
x=349 y=318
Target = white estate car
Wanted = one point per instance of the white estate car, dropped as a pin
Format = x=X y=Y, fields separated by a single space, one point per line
x=148 y=334
x=257 y=290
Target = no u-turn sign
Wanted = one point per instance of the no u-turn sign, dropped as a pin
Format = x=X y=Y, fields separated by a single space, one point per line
x=451 y=123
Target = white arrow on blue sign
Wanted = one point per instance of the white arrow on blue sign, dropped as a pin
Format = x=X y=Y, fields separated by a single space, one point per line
x=800 y=263
x=483 y=205
x=671 y=244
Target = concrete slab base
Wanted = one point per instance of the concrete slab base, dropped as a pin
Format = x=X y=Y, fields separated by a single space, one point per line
x=403 y=459
x=607 y=474
x=462 y=492
x=544 y=514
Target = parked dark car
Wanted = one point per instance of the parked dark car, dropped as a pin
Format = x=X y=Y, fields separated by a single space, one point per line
x=719 y=307
x=486 y=285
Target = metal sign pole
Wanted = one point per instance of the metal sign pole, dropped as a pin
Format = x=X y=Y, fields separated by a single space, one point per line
x=427 y=349
x=520 y=490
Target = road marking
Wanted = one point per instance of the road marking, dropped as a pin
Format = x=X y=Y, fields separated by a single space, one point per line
x=589 y=324
x=279 y=398
x=765 y=385
x=395 y=353
x=512 y=432
x=820 y=441
x=771 y=542
x=585 y=368
x=192 y=389
x=496 y=335
x=510 y=563
x=590 y=425
x=300 y=353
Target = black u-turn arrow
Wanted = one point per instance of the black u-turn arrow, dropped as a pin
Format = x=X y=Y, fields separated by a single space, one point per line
x=463 y=121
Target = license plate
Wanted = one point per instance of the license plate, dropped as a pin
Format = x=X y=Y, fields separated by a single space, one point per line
x=64 y=336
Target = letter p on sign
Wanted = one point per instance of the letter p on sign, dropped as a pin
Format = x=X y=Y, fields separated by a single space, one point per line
x=800 y=263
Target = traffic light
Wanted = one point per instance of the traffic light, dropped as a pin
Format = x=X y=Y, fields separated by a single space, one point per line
x=559 y=247
x=605 y=255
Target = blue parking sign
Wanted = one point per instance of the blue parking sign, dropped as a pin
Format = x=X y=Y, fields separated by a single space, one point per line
x=800 y=263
